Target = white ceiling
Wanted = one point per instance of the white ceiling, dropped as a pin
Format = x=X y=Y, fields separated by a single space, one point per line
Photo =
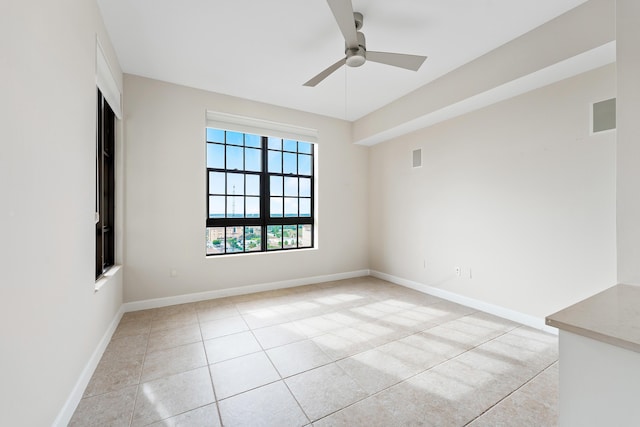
x=265 y=50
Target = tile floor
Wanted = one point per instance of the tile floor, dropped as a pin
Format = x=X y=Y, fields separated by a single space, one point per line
x=358 y=352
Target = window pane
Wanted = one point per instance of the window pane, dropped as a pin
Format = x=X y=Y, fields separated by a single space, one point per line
x=290 y=165
x=304 y=147
x=216 y=207
x=215 y=156
x=305 y=187
x=235 y=239
x=305 y=207
x=252 y=239
x=275 y=143
x=289 y=236
x=274 y=237
x=253 y=185
x=290 y=145
x=216 y=182
x=252 y=140
x=290 y=206
x=215 y=240
x=235 y=138
x=291 y=187
x=235 y=184
x=276 y=207
x=275 y=162
x=234 y=158
x=253 y=207
x=304 y=162
x=276 y=186
x=304 y=235
x=215 y=135
x=252 y=160
x=235 y=207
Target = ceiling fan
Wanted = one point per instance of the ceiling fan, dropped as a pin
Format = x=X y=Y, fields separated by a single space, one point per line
x=355 y=49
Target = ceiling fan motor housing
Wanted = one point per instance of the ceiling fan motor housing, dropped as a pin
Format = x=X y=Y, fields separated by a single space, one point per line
x=356 y=56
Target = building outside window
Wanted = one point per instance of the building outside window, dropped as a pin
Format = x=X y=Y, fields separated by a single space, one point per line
x=259 y=194
x=105 y=186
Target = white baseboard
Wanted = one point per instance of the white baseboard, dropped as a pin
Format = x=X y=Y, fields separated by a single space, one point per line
x=505 y=313
x=228 y=292
x=74 y=398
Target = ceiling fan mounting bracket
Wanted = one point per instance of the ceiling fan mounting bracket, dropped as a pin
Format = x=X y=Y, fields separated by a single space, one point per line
x=359 y=20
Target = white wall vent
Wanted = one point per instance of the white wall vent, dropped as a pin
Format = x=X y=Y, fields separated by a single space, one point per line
x=603 y=115
x=417 y=158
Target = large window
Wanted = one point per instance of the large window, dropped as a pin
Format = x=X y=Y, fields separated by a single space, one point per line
x=105 y=187
x=259 y=193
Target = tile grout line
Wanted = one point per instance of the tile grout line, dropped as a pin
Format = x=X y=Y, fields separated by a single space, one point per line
x=412 y=376
x=276 y=369
x=144 y=358
x=206 y=356
x=512 y=392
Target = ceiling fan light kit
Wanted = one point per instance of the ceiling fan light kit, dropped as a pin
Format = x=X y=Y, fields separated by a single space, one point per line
x=356 y=53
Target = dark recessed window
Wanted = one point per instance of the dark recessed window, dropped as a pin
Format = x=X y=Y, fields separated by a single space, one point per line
x=259 y=193
x=105 y=187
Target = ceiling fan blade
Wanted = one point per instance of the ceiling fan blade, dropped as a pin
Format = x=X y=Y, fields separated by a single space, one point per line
x=343 y=12
x=326 y=73
x=409 y=62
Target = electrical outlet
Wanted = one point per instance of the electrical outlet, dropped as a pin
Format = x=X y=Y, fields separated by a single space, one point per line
x=458 y=271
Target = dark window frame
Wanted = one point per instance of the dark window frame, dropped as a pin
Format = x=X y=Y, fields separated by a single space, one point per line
x=105 y=186
x=264 y=221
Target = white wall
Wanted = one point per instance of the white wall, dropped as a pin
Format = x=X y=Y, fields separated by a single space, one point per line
x=165 y=196
x=517 y=192
x=51 y=320
x=628 y=109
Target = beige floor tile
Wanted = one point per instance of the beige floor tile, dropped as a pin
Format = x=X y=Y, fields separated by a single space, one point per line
x=452 y=393
x=137 y=315
x=270 y=405
x=114 y=373
x=324 y=390
x=206 y=416
x=127 y=346
x=169 y=396
x=173 y=337
x=277 y=335
x=297 y=357
x=173 y=360
x=353 y=352
x=173 y=310
x=174 y=320
x=208 y=313
x=375 y=370
x=337 y=346
x=132 y=327
x=241 y=374
x=222 y=327
x=413 y=355
x=445 y=341
x=263 y=318
x=317 y=325
x=230 y=346
x=444 y=311
x=110 y=409
x=534 y=405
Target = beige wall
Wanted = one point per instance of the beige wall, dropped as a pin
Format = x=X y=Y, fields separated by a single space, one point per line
x=517 y=192
x=51 y=321
x=165 y=196
x=628 y=110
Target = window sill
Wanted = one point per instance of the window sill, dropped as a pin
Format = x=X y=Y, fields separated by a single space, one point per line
x=106 y=278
